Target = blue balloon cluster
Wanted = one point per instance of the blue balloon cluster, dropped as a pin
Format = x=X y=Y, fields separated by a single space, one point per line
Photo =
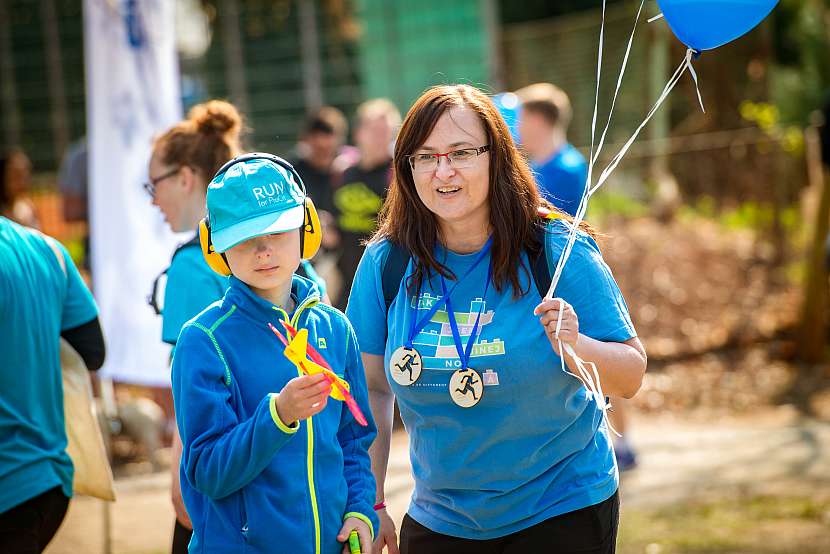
x=707 y=24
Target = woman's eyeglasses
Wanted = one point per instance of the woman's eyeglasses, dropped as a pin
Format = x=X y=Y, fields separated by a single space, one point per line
x=458 y=159
x=150 y=187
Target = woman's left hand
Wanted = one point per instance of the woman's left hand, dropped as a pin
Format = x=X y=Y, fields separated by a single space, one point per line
x=549 y=313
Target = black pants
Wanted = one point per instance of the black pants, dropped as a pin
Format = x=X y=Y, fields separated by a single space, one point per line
x=181 y=538
x=591 y=530
x=28 y=527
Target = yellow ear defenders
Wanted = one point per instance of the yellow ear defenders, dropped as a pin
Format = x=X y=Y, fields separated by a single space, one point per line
x=310 y=237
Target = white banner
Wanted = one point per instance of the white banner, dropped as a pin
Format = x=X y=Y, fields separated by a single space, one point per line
x=132 y=94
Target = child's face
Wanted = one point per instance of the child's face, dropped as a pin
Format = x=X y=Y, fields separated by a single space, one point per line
x=267 y=262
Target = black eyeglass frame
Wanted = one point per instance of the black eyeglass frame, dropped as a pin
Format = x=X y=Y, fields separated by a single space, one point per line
x=150 y=186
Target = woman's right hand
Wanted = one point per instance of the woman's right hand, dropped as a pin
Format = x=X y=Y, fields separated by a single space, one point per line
x=388 y=536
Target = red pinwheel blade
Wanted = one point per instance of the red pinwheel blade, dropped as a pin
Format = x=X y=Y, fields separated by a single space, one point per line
x=279 y=335
x=317 y=358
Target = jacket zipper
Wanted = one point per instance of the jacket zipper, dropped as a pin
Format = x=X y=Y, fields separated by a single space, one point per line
x=308 y=302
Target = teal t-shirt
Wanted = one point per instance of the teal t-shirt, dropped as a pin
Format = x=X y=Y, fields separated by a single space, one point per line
x=535 y=446
x=191 y=287
x=38 y=300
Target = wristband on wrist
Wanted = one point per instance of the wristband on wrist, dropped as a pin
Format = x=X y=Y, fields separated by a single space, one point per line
x=380 y=505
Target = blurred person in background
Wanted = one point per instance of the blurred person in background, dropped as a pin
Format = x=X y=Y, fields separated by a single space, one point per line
x=42 y=298
x=359 y=199
x=183 y=161
x=559 y=168
x=73 y=182
x=561 y=173
x=15 y=180
x=320 y=144
x=320 y=159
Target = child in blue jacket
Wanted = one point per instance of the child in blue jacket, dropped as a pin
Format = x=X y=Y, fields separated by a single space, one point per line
x=270 y=463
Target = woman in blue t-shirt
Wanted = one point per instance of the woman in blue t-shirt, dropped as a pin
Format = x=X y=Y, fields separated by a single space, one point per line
x=184 y=160
x=510 y=452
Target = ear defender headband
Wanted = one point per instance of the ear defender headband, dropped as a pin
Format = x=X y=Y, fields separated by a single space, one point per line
x=310 y=237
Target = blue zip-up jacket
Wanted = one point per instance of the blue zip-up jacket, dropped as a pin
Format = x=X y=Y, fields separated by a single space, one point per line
x=251 y=483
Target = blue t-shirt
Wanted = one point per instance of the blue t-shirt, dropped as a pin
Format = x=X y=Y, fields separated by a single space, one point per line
x=561 y=179
x=191 y=287
x=535 y=446
x=38 y=300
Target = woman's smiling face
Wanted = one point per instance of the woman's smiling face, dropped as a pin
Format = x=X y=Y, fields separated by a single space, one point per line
x=456 y=195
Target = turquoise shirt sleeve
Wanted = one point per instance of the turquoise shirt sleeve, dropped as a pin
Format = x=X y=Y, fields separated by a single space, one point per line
x=366 y=309
x=589 y=286
x=191 y=287
x=78 y=305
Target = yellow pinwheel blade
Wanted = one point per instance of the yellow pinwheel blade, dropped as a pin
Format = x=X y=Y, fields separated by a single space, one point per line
x=296 y=353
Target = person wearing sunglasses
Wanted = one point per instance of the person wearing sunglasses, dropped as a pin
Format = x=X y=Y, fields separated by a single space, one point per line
x=183 y=161
x=510 y=451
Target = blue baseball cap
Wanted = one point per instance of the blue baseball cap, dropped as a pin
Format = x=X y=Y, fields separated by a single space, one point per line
x=253 y=197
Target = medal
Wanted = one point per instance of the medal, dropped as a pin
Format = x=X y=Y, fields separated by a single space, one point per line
x=405 y=366
x=466 y=387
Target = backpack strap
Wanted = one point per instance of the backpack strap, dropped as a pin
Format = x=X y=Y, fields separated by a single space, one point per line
x=152 y=298
x=539 y=264
x=392 y=272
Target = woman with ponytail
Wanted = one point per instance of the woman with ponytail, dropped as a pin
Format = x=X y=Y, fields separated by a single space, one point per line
x=184 y=160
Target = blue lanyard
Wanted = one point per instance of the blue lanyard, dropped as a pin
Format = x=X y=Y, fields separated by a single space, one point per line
x=415 y=328
x=465 y=352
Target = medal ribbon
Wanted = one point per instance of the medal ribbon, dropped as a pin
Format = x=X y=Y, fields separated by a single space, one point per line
x=415 y=324
x=464 y=353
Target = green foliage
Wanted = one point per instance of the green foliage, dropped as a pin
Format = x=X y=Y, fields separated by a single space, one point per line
x=768 y=118
x=800 y=78
x=607 y=203
x=750 y=215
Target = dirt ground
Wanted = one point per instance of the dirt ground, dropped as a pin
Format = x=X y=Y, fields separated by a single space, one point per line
x=773 y=453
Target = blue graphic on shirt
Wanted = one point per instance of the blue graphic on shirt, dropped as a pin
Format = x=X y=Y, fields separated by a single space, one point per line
x=435 y=341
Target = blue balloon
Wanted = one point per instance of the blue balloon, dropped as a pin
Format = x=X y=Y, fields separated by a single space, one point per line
x=707 y=24
x=509 y=108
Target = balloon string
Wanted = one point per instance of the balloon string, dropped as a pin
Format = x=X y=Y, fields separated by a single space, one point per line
x=697 y=85
x=591 y=378
x=656 y=17
x=609 y=169
x=588 y=378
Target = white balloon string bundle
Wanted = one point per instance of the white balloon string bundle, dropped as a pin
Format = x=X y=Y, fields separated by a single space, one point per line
x=591 y=378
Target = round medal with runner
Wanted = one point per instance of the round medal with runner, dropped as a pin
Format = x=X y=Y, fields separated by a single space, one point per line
x=466 y=387
x=405 y=366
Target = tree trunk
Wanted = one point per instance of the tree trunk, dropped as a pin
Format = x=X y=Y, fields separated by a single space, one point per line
x=814 y=308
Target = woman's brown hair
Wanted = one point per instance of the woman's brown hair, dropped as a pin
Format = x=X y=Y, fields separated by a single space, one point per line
x=204 y=141
x=513 y=196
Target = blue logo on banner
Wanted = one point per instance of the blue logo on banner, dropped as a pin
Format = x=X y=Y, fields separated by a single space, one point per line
x=135 y=28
